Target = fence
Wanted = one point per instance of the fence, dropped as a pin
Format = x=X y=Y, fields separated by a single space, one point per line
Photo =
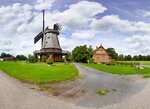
x=127 y=63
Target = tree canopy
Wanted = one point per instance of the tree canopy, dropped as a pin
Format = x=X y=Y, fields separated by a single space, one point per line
x=82 y=53
x=112 y=53
x=3 y=55
x=21 y=57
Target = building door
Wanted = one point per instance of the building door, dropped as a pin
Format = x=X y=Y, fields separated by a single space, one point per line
x=101 y=58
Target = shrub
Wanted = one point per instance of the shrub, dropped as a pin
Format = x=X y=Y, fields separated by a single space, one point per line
x=112 y=61
x=31 y=58
x=43 y=58
x=21 y=57
x=91 y=61
x=49 y=61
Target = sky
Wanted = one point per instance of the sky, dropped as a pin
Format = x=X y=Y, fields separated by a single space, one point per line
x=120 y=24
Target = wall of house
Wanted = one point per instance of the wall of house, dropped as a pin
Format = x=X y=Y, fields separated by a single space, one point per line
x=57 y=57
x=101 y=56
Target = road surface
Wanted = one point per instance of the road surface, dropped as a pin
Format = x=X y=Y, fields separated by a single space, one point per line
x=130 y=90
x=15 y=96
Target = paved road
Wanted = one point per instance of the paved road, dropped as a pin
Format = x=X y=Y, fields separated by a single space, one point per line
x=15 y=96
x=129 y=89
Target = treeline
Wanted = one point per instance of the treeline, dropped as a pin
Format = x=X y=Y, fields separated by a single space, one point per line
x=7 y=56
x=122 y=57
x=83 y=54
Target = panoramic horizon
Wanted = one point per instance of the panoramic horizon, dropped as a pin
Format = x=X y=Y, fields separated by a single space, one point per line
x=123 y=25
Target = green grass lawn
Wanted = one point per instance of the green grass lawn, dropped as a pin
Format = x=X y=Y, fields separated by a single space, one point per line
x=141 y=62
x=39 y=72
x=117 y=69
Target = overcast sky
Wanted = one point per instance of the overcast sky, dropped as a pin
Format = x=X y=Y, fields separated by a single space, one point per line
x=121 y=24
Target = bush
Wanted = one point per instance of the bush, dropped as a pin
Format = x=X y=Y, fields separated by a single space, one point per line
x=21 y=57
x=49 y=61
x=91 y=61
x=31 y=58
x=43 y=58
x=112 y=61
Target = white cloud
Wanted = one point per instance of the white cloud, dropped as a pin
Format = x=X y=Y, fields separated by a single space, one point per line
x=78 y=15
x=84 y=34
x=114 y=23
x=139 y=44
x=20 y=23
x=143 y=13
x=43 y=4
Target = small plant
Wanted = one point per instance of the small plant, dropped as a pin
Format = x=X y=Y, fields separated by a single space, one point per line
x=112 y=62
x=114 y=89
x=102 y=91
x=90 y=61
x=44 y=87
x=146 y=76
x=43 y=58
x=49 y=61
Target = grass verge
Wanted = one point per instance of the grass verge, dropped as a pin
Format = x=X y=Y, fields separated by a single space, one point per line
x=117 y=69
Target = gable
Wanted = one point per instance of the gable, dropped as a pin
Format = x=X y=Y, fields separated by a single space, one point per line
x=100 y=51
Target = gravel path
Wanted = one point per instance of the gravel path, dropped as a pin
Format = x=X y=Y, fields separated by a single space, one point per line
x=132 y=89
x=132 y=92
x=15 y=96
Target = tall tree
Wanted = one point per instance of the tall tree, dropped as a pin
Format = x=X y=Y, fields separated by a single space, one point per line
x=121 y=57
x=3 y=55
x=135 y=58
x=21 y=57
x=128 y=58
x=82 y=53
x=112 y=53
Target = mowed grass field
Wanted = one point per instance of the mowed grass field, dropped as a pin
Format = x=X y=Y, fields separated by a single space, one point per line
x=141 y=62
x=39 y=72
x=117 y=69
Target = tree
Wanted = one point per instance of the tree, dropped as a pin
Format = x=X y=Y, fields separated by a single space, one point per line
x=135 y=58
x=21 y=57
x=112 y=53
x=121 y=57
x=81 y=53
x=69 y=57
x=31 y=58
x=90 y=49
x=3 y=55
x=140 y=57
x=128 y=58
x=148 y=57
x=44 y=58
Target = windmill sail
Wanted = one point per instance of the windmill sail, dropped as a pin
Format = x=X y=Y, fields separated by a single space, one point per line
x=38 y=37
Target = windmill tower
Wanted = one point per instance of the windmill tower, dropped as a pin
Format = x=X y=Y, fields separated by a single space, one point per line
x=50 y=46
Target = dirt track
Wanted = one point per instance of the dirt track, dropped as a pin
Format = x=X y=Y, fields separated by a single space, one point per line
x=15 y=96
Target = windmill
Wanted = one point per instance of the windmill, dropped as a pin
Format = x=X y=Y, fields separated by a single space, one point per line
x=49 y=42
